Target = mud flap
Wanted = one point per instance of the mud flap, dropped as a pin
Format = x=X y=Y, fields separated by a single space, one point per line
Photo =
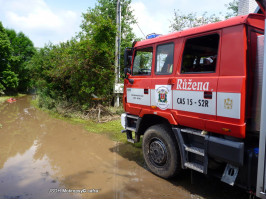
x=230 y=174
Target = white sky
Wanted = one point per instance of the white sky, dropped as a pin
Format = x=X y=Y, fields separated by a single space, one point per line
x=56 y=21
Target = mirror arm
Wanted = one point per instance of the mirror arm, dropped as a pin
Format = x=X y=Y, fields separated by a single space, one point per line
x=131 y=81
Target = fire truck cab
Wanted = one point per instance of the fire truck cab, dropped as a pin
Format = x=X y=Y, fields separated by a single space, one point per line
x=195 y=97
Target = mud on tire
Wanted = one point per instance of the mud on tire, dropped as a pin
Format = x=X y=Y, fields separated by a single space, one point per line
x=160 y=151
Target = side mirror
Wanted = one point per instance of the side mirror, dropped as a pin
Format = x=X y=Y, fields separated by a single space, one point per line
x=127 y=63
x=127 y=72
x=128 y=57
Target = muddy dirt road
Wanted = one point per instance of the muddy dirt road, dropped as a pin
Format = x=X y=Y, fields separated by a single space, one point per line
x=43 y=157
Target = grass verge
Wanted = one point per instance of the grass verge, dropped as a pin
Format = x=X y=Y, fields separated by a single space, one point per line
x=111 y=128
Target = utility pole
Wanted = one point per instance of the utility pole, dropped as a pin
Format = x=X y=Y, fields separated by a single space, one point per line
x=117 y=49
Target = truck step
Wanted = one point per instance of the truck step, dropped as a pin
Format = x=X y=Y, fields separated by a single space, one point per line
x=132 y=116
x=131 y=141
x=195 y=150
x=192 y=131
x=195 y=166
x=131 y=129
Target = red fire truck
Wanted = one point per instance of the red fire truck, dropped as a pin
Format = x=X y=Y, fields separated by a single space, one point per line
x=198 y=97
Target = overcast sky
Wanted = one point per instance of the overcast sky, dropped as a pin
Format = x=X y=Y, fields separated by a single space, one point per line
x=56 y=21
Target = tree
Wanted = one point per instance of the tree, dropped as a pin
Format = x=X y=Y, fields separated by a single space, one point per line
x=183 y=21
x=73 y=72
x=5 y=48
x=22 y=51
x=8 y=79
x=99 y=26
x=232 y=8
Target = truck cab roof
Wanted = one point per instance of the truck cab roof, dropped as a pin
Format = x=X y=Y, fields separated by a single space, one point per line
x=251 y=19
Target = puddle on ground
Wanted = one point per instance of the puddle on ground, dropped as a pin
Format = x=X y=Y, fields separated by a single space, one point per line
x=22 y=176
x=43 y=157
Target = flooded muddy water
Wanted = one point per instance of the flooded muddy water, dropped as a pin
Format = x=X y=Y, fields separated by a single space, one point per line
x=43 y=157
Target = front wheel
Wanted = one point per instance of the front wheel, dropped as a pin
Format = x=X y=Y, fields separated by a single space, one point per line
x=160 y=151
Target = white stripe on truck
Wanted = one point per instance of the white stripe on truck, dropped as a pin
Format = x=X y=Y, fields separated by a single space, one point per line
x=226 y=104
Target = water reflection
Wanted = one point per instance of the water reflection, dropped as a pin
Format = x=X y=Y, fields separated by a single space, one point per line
x=15 y=135
x=38 y=153
x=25 y=177
x=22 y=174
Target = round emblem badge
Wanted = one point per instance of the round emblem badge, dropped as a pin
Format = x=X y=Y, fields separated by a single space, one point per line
x=163 y=96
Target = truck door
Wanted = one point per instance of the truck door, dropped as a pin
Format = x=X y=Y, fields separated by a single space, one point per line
x=194 y=95
x=138 y=93
x=163 y=73
x=231 y=89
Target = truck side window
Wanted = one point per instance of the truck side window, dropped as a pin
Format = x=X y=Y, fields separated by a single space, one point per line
x=200 y=54
x=164 y=59
x=143 y=61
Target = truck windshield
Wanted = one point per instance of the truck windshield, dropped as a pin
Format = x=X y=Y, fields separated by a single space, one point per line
x=143 y=61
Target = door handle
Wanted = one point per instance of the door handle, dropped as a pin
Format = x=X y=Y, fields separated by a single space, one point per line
x=207 y=95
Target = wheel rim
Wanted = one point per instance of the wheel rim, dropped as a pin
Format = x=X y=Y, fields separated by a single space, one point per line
x=157 y=152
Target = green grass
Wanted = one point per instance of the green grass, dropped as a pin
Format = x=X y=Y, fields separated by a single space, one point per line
x=4 y=98
x=112 y=128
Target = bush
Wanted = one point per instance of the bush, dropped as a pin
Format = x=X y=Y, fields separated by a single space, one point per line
x=81 y=69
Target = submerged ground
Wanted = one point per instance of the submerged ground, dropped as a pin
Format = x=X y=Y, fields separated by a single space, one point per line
x=44 y=157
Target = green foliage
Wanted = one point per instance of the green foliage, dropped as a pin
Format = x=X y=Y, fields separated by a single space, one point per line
x=5 y=48
x=16 y=51
x=99 y=26
x=2 y=89
x=72 y=73
x=22 y=51
x=10 y=79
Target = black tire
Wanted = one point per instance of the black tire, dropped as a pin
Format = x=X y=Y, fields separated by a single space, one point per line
x=161 y=152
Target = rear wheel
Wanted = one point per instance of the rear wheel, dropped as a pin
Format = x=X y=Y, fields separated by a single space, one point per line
x=160 y=151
